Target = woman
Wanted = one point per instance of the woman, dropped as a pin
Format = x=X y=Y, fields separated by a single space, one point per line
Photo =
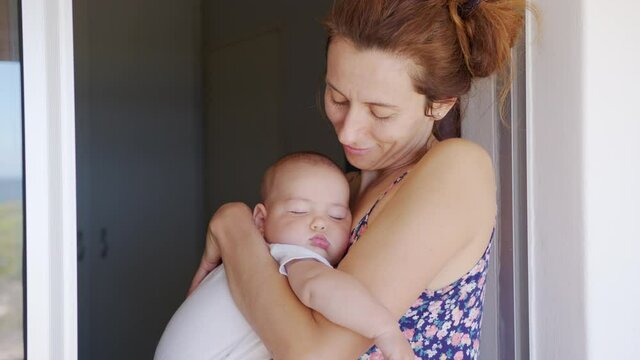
x=423 y=209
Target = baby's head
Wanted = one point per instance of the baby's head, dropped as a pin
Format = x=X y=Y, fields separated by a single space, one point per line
x=305 y=201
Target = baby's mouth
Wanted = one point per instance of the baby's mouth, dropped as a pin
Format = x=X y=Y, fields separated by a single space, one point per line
x=320 y=241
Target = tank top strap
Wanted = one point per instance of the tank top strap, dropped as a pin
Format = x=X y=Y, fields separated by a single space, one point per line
x=364 y=221
x=396 y=181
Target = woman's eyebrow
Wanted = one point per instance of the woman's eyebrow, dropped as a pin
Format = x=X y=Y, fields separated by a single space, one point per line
x=374 y=103
x=334 y=88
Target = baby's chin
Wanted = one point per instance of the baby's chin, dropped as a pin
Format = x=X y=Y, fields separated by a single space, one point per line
x=320 y=251
x=332 y=258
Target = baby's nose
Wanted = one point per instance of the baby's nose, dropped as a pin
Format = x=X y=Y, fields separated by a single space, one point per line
x=318 y=225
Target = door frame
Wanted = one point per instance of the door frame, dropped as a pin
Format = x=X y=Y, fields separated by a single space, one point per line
x=50 y=184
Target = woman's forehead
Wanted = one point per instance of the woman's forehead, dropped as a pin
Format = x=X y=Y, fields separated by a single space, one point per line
x=367 y=74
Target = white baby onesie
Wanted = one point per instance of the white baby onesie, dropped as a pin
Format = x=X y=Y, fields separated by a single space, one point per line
x=209 y=326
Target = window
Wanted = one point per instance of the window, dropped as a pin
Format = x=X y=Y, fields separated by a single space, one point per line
x=11 y=186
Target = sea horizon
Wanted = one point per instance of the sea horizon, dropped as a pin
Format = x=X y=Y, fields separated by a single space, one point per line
x=10 y=189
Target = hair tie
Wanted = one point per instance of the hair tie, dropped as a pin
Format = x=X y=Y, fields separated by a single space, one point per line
x=468 y=7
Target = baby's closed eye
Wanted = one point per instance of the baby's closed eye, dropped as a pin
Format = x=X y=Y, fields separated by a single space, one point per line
x=338 y=213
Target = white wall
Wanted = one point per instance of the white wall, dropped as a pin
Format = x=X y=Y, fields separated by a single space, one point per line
x=583 y=196
x=612 y=176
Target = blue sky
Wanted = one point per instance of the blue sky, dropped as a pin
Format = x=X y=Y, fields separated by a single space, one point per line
x=10 y=120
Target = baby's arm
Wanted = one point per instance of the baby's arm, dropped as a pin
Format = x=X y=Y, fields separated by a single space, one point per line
x=345 y=301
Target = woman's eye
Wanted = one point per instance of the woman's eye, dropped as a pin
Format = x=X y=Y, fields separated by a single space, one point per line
x=339 y=103
x=381 y=117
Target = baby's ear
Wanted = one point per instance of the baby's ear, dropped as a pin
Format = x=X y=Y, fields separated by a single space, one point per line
x=260 y=216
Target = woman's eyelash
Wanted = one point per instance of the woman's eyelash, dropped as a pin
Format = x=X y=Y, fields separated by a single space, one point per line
x=339 y=103
x=345 y=103
x=381 y=117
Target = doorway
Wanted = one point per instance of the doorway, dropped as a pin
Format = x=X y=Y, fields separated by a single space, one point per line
x=180 y=106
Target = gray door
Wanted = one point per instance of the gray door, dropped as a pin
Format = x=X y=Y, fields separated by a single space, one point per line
x=243 y=124
x=263 y=71
x=140 y=188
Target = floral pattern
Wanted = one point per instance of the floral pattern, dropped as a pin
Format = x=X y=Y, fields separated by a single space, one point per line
x=442 y=324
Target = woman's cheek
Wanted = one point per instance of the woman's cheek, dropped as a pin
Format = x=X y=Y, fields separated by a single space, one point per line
x=334 y=112
x=331 y=113
x=336 y=120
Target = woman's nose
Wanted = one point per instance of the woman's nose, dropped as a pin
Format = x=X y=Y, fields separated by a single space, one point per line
x=352 y=126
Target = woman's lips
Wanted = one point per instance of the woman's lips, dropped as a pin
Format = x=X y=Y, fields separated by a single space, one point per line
x=320 y=241
x=354 y=151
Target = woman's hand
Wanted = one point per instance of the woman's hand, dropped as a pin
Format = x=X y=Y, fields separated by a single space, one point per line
x=393 y=345
x=212 y=255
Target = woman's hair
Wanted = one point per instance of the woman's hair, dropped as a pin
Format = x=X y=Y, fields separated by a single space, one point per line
x=450 y=41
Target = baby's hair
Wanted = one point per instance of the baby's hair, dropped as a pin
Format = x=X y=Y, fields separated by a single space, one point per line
x=307 y=157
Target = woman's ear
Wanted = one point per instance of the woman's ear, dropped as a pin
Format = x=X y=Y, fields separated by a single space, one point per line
x=260 y=216
x=441 y=108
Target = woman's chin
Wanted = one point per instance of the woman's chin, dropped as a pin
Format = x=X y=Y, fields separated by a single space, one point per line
x=358 y=161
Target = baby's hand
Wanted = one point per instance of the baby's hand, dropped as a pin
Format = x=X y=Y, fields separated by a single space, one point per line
x=394 y=346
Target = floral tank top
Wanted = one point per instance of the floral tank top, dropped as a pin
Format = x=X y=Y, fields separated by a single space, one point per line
x=442 y=324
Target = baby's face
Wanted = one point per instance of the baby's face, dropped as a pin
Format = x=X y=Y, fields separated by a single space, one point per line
x=308 y=205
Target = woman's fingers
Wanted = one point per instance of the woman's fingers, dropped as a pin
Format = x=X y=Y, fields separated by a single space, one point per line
x=394 y=346
x=205 y=268
x=212 y=255
x=197 y=279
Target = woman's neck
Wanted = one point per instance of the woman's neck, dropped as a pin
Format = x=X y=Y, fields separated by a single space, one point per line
x=371 y=178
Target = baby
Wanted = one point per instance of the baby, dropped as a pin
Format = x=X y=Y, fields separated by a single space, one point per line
x=306 y=220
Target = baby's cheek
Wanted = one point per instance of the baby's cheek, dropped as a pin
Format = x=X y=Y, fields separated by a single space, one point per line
x=280 y=233
x=342 y=249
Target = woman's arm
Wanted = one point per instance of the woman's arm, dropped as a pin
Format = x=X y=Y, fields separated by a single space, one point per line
x=340 y=298
x=445 y=207
x=286 y=326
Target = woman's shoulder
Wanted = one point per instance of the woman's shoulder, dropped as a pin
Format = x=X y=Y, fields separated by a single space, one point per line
x=433 y=227
x=457 y=150
x=457 y=175
x=456 y=161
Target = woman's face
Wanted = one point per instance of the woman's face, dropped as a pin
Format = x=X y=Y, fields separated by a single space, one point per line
x=369 y=98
